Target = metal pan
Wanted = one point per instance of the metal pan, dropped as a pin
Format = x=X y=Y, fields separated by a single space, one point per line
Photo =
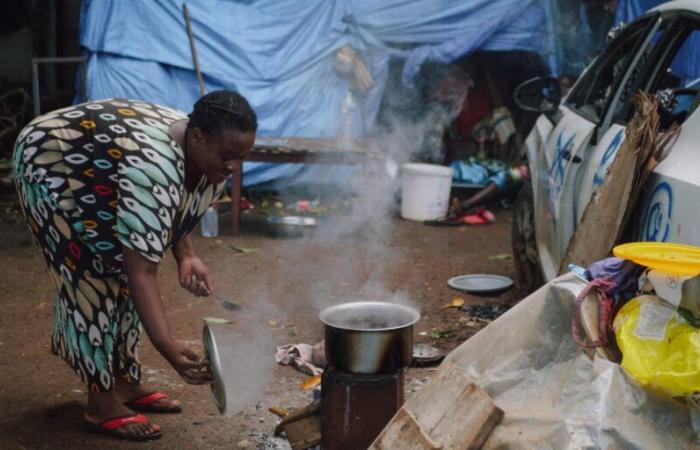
x=291 y=226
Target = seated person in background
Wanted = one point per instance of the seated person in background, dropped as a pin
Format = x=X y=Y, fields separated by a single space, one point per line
x=493 y=133
x=496 y=176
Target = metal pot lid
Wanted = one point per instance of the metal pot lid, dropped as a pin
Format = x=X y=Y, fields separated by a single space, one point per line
x=425 y=354
x=211 y=351
x=480 y=283
x=369 y=316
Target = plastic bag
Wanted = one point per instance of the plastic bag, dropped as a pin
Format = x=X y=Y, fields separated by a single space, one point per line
x=659 y=349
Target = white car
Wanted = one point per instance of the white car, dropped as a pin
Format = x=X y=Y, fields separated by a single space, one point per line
x=573 y=143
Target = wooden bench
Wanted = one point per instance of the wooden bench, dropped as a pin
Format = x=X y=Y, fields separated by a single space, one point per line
x=299 y=151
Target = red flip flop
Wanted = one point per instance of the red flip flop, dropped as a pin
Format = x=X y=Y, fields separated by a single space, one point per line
x=110 y=427
x=146 y=404
x=481 y=217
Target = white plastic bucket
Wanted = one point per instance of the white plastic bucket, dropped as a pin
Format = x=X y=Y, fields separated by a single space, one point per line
x=425 y=191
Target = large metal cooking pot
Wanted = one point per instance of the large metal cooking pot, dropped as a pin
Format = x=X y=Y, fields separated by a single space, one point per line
x=369 y=337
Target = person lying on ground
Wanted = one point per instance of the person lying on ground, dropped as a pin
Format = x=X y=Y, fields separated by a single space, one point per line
x=107 y=187
x=494 y=175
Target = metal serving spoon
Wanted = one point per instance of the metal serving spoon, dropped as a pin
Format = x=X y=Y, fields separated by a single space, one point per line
x=228 y=304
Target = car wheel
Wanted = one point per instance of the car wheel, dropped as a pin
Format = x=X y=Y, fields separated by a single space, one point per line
x=527 y=263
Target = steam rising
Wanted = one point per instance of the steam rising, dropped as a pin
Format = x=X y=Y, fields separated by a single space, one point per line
x=375 y=189
x=363 y=239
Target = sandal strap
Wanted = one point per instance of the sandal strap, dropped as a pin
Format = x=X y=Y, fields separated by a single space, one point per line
x=149 y=398
x=117 y=422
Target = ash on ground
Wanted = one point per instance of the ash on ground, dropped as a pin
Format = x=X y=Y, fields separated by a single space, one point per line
x=485 y=312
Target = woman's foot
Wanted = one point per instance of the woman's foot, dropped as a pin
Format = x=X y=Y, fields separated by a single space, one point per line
x=104 y=406
x=127 y=393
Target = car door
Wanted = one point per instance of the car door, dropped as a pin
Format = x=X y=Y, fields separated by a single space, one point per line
x=612 y=130
x=584 y=123
x=666 y=211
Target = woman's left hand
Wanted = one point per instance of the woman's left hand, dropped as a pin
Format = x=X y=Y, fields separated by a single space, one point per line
x=194 y=276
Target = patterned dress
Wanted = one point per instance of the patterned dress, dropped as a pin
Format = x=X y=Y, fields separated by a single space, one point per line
x=91 y=179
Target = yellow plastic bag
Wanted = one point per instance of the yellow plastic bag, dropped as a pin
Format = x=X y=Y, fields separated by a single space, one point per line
x=659 y=349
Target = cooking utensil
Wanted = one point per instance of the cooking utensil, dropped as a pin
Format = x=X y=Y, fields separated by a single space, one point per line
x=291 y=226
x=228 y=304
x=480 y=283
x=369 y=337
x=239 y=380
x=211 y=352
x=426 y=355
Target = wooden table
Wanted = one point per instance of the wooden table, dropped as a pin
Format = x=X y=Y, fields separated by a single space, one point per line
x=299 y=150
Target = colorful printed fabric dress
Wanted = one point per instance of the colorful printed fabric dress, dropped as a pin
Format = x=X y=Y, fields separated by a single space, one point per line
x=92 y=178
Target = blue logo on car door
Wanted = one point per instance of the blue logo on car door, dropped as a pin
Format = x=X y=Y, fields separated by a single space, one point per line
x=556 y=173
x=599 y=176
x=657 y=220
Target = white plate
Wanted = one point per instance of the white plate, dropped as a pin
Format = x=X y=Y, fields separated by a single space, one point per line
x=480 y=283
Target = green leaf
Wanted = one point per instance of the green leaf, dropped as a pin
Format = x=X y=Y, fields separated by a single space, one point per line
x=244 y=249
x=217 y=321
x=443 y=334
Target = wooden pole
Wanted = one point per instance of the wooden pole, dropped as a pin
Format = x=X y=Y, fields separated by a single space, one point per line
x=200 y=78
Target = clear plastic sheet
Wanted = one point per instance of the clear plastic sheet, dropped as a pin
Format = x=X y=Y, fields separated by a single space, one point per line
x=553 y=395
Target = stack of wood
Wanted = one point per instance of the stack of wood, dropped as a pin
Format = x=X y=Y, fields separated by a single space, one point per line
x=449 y=413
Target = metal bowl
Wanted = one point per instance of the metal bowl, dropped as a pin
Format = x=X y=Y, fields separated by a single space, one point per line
x=291 y=226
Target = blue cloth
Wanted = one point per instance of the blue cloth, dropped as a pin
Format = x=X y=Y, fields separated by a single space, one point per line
x=623 y=275
x=280 y=53
x=481 y=172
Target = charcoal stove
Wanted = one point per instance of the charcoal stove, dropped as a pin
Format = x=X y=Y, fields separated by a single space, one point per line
x=368 y=347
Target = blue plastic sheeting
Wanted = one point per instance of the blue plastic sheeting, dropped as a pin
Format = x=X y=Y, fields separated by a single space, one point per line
x=280 y=54
x=628 y=10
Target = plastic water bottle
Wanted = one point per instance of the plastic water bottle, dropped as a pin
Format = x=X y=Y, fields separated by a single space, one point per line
x=347 y=111
x=210 y=222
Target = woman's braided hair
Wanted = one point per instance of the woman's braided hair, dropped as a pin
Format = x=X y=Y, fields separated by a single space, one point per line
x=222 y=110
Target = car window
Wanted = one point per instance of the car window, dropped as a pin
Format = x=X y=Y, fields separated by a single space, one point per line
x=676 y=79
x=595 y=91
x=685 y=67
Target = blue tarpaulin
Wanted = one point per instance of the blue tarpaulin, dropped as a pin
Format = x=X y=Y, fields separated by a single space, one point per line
x=280 y=53
x=628 y=10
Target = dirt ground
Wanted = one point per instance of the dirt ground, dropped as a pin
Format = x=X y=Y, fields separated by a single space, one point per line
x=282 y=285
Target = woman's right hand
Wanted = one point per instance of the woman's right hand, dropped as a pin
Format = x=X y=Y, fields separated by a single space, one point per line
x=192 y=368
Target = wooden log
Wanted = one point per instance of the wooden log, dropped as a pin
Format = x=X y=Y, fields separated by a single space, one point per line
x=450 y=412
x=404 y=432
x=304 y=433
x=607 y=214
x=312 y=409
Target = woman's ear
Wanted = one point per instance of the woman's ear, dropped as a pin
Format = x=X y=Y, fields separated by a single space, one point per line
x=197 y=135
